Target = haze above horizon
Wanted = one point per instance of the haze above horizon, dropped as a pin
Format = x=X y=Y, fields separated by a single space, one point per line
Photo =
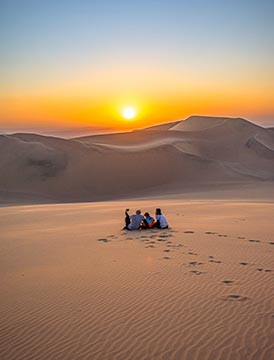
x=77 y=64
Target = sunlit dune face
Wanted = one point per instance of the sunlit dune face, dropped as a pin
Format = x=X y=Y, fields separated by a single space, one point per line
x=129 y=113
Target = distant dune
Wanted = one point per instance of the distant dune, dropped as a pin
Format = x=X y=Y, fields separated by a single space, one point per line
x=175 y=157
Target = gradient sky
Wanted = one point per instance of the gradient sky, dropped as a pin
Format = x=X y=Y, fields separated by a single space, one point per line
x=71 y=63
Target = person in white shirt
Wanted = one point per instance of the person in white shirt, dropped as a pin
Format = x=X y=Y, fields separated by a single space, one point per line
x=161 y=221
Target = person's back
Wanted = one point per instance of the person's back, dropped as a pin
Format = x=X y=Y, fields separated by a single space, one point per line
x=148 y=221
x=161 y=220
x=135 y=222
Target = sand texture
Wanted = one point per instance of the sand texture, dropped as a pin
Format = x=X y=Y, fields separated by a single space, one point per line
x=76 y=286
x=186 y=156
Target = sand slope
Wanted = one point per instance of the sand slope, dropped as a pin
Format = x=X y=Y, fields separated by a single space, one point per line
x=75 y=286
x=175 y=157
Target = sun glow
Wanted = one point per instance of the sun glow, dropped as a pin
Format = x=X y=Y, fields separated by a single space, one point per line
x=129 y=112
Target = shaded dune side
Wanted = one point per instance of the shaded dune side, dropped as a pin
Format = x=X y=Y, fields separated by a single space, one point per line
x=192 y=152
x=96 y=172
x=17 y=155
x=262 y=147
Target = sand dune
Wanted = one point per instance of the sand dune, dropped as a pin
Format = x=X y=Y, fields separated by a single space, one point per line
x=75 y=286
x=175 y=157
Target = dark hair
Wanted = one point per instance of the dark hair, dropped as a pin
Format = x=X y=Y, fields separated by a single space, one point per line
x=158 y=211
x=146 y=214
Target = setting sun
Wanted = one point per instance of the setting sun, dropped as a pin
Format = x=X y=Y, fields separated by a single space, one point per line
x=129 y=113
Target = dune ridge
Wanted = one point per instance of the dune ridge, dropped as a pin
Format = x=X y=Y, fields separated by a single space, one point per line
x=176 y=157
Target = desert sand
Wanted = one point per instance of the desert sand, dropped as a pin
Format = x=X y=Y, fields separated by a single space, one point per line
x=187 y=156
x=76 y=286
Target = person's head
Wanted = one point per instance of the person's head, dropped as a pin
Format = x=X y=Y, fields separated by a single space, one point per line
x=158 y=211
x=138 y=212
x=146 y=214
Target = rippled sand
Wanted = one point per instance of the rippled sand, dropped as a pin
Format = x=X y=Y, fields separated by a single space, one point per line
x=76 y=286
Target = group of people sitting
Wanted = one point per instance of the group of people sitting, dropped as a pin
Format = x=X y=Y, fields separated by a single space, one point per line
x=138 y=221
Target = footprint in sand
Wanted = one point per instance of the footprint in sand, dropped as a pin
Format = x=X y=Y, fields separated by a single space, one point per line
x=210 y=233
x=254 y=241
x=104 y=240
x=189 y=232
x=215 y=261
x=165 y=236
x=195 y=263
x=271 y=243
x=222 y=235
x=192 y=253
x=228 y=282
x=211 y=257
x=243 y=263
x=166 y=258
x=265 y=270
x=176 y=246
x=241 y=237
x=196 y=272
x=166 y=250
x=235 y=298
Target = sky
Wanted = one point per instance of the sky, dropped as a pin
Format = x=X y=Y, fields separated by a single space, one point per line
x=78 y=63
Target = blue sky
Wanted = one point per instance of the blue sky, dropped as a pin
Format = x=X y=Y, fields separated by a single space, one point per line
x=90 y=26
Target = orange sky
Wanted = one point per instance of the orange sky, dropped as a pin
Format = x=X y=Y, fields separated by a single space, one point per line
x=169 y=62
x=77 y=111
